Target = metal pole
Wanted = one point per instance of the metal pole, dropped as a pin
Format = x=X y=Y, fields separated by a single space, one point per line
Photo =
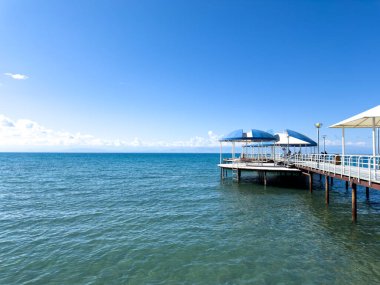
x=373 y=137
x=343 y=144
x=318 y=126
x=220 y=155
x=374 y=144
x=318 y=141
x=378 y=140
x=324 y=143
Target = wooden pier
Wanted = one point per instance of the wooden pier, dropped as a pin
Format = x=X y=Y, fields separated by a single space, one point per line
x=354 y=170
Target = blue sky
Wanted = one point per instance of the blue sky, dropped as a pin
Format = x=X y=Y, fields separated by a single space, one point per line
x=163 y=74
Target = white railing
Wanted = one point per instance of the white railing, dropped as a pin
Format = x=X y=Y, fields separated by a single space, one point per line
x=361 y=167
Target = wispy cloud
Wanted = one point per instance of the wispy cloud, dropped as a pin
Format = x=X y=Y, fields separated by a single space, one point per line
x=350 y=143
x=27 y=133
x=16 y=76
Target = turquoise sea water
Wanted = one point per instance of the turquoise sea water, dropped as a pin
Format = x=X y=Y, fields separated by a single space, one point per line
x=168 y=219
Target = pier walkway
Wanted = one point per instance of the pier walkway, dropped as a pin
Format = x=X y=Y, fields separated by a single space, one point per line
x=360 y=169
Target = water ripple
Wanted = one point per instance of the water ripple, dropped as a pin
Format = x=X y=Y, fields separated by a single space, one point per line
x=167 y=219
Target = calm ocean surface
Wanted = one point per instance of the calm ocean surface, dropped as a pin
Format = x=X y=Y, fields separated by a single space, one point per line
x=168 y=219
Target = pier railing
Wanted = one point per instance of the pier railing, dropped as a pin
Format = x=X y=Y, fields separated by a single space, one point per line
x=361 y=167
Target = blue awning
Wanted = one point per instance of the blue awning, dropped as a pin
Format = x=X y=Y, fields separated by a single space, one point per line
x=252 y=135
x=293 y=138
x=233 y=136
x=301 y=137
x=288 y=138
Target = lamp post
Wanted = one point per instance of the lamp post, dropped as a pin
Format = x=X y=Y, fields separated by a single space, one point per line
x=324 y=143
x=318 y=126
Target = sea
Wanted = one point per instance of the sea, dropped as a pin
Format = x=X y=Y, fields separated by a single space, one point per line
x=75 y=218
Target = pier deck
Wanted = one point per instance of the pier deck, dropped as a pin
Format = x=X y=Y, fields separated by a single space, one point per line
x=252 y=166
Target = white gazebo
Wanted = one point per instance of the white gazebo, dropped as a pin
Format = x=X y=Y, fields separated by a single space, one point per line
x=367 y=119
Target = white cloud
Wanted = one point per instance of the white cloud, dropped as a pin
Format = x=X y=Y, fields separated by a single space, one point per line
x=350 y=143
x=27 y=133
x=6 y=122
x=16 y=76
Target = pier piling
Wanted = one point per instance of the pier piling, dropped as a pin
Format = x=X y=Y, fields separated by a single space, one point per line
x=310 y=175
x=311 y=182
x=327 y=194
x=367 y=193
x=354 y=203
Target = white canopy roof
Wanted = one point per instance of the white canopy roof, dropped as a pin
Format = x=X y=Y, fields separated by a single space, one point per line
x=362 y=120
x=286 y=139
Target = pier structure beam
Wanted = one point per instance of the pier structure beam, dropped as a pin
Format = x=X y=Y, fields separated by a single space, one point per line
x=367 y=193
x=354 y=203
x=346 y=185
x=327 y=192
x=332 y=181
x=238 y=175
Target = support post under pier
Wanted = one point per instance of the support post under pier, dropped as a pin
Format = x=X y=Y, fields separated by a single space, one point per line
x=354 y=203
x=310 y=175
x=367 y=193
x=327 y=192
x=311 y=182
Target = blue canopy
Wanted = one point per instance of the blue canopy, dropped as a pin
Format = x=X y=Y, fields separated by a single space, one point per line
x=293 y=138
x=233 y=136
x=301 y=137
x=288 y=138
x=252 y=135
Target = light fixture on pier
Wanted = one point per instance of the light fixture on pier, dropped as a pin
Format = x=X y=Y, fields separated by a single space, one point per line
x=318 y=126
